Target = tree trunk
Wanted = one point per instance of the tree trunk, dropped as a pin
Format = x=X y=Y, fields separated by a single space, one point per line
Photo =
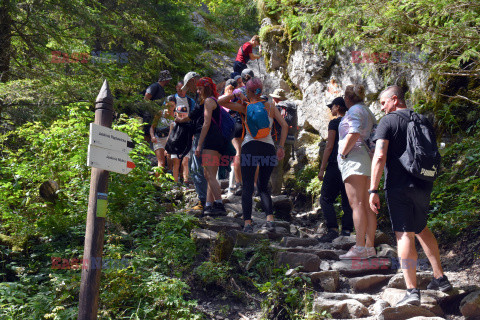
x=5 y=39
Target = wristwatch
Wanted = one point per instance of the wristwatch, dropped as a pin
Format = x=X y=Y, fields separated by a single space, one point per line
x=343 y=156
x=372 y=191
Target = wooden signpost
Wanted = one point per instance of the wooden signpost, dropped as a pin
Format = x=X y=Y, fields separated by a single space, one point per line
x=107 y=151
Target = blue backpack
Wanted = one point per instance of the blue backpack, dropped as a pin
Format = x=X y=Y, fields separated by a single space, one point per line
x=226 y=123
x=257 y=122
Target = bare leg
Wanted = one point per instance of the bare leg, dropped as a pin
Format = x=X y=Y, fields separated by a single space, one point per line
x=356 y=187
x=176 y=169
x=185 y=168
x=237 y=143
x=430 y=246
x=408 y=255
x=214 y=191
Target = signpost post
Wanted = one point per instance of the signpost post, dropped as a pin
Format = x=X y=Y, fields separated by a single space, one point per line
x=107 y=151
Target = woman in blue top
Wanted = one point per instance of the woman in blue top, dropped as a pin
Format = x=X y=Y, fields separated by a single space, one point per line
x=257 y=152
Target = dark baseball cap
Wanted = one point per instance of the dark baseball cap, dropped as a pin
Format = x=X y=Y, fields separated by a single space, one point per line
x=338 y=101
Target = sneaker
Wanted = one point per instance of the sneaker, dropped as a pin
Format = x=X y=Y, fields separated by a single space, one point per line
x=354 y=254
x=371 y=252
x=329 y=236
x=238 y=190
x=198 y=206
x=207 y=210
x=218 y=209
x=441 y=284
x=248 y=228
x=345 y=233
x=270 y=226
x=412 y=297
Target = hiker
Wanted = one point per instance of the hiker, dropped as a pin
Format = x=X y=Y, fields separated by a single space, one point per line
x=246 y=75
x=156 y=90
x=182 y=109
x=283 y=105
x=160 y=129
x=408 y=197
x=196 y=116
x=211 y=145
x=258 y=148
x=332 y=184
x=236 y=189
x=354 y=163
x=245 y=54
x=239 y=80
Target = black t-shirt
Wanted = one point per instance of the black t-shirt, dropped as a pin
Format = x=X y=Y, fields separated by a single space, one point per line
x=156 y=90
x=394 y=129
x=333 y=125
x=197 y=116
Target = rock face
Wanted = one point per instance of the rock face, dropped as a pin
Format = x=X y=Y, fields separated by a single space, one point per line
x=319 y=80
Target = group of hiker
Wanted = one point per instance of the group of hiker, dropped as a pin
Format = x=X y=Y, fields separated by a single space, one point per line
x=357 y=152
x=253 y=129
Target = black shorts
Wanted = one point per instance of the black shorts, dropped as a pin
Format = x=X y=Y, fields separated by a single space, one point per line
x=214 y=140
x=408 y=208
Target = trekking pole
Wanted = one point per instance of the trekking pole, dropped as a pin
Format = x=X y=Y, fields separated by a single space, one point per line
x=259 y=72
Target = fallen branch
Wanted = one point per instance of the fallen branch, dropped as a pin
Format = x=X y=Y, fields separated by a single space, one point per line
x=460 y=97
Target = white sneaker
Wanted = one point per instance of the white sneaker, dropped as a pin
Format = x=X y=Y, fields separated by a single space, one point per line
x=354 y=253
x=371 y=252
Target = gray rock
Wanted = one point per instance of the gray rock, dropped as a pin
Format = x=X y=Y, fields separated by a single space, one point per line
x=398 y=281
x=429 y=298
x=426 y=318
x=404 y=312
x=385 y=250
x=217 y=225
x=298 y=242
x=308 y=262
x=379 y=306
x=326 y=280
x=324 y=266
x=362 y=267
x=235 y=207
x=282 y=206
x=346 y=309
x=344 y=242
x=365 y=299
x=470 y=305
x=203 y=236
x=368 y=283
x=291 y=272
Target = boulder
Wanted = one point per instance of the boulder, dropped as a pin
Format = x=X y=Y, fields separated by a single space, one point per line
x=308 y=262
x=470 y=305
x=346 y=309
x=382 y=238
x=426 y=318
x=398 y=281
x=325 y=280
x=222 y=247
x=387 y=251
x=365 y=299
x=203 y=236
x=282 y=207
x=298 y=242
x=369 y=283
x=429 y=299
x=344 y=242
x=362 y=267
x=243 y=239
x=379 y=306
x=404 y=312
x=324 y=266
x=218 y=225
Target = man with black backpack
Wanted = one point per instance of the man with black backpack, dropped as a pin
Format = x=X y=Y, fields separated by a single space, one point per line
x=406 y=146
x=288 y=110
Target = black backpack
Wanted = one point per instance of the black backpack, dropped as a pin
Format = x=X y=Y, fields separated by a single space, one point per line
x=179 y=141
x=289 y=112
x=421 y=157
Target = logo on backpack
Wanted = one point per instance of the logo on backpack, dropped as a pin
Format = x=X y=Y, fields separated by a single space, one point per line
x=257 y=121
x=421 y=157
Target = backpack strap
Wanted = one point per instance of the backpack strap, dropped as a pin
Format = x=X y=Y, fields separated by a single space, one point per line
x=219 y=124
x=403 y=116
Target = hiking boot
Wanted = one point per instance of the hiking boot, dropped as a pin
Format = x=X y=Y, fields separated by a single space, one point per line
x=329 y=236
x=345 y=233
x=412 y=297
x=270 y=226
x=199 y=206
x=441 y=284
x=248 y=228
x=218 y=209
x=371 y=252
x=354 y=254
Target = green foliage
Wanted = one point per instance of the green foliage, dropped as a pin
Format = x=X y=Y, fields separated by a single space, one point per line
x=455 y=198
x=287 y=297
x=213 y=273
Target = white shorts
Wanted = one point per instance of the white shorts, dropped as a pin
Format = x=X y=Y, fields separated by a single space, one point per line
x=358 y=162
x=161 y=142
